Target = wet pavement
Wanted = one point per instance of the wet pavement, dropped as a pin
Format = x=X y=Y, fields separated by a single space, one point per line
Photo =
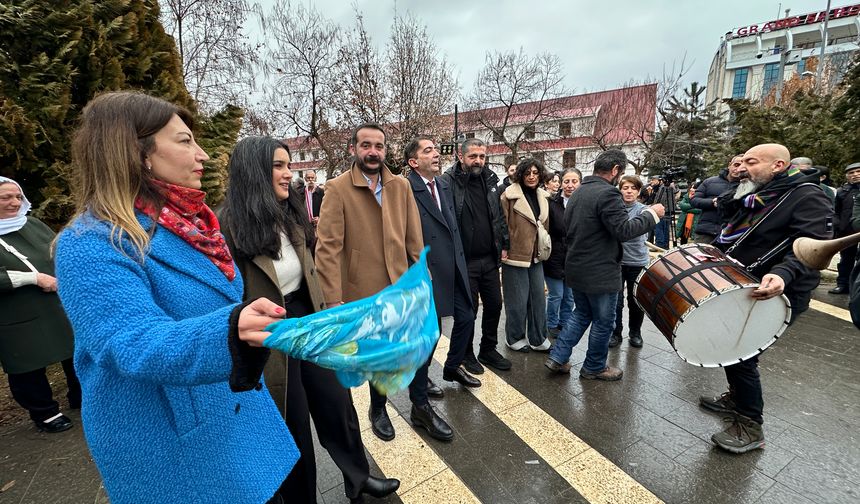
x=529 y=437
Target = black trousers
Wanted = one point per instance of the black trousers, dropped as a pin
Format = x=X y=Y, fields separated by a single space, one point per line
x=484 y=282
x=636 y=315
x=315 y=392
x=33 y=392
x=847 y=258
x=744 y=379
x=464 y=327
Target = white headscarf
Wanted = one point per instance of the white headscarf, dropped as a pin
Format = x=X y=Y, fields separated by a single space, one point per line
x=13 y=224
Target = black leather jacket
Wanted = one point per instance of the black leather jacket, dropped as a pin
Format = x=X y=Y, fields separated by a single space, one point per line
x=457 y=178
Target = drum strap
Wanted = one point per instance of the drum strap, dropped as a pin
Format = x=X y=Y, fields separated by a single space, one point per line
x=686 y=295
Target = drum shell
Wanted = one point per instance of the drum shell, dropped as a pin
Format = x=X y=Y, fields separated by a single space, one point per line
x=667 y=311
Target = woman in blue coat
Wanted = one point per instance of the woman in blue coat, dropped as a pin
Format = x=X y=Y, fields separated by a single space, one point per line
x=163 y=342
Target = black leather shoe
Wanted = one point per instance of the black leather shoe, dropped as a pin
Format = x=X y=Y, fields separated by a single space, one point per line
x=494 y=359
x=839 y=289
x=58 y=423
x=460 y=376
x=472 y=365
x=376 y=487
x=434 y=390
x=614 y=340
x=424 y=416
x=636 y=340
x=380 y=424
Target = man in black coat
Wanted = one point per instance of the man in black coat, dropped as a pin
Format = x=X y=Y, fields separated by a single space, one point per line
x=597 y=222
x=843 y=206
x=447 y=265
x=772 y=202
x=706 y=197
x=485 y=242
x=313 y=197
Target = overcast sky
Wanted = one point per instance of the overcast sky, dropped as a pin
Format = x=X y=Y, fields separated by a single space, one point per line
x=602 y=44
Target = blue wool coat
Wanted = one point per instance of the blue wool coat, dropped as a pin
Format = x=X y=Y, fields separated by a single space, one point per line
x=151 y=352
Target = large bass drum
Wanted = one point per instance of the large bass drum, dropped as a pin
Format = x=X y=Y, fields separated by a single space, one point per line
x=700 y=300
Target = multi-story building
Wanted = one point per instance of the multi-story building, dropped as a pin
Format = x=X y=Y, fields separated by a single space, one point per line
x=752 y=60
x=563 y=132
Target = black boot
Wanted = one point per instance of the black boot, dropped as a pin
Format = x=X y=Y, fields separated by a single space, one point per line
x=424 y=416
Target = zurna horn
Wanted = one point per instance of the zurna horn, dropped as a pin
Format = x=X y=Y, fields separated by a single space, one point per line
x=817 y=254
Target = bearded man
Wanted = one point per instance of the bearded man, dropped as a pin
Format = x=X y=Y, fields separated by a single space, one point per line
x=773 y=201
x=369 y=233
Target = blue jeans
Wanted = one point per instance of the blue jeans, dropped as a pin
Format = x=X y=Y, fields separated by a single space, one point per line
x=661 y=234
x=559 y=303
x=598 y=311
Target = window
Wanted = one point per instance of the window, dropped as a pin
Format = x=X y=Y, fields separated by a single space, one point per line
x=529 y=132
x=302 y=155
x=739 y=89
x=316 y=154
x=801 y=66
x=771 y=74
x=497 y=138
x=469 y=135
x=568 y=159
x=564 y=129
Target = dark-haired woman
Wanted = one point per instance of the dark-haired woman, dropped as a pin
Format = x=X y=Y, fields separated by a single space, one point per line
x=526 y=208
x=266 y=225
x=559 y=300
x=163 y=340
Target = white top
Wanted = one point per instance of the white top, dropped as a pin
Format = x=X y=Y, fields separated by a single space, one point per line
x=288 y=267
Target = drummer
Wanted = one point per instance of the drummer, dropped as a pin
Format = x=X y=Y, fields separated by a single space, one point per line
x=772 y=202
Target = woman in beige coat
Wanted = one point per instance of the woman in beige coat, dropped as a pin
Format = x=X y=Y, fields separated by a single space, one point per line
x=525 y=207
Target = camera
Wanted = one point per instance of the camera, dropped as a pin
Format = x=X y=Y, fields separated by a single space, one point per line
x=671 y=174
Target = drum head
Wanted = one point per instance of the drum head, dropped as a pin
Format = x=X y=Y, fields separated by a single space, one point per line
x=730 y=327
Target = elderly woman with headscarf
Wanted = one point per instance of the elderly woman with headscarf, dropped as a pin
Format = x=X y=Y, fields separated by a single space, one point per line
x=35 y=331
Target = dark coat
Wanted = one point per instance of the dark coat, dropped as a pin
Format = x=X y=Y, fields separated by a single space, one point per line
x=456 y=179
x=710 y=188
x=34 y=329
x=596 y=222
x=442 y=235
x=843 y=206
x=554 y=266
x=806 y=212
x=261 y=280
x=316 y=200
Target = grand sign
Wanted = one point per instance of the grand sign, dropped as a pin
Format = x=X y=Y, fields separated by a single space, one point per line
x=801 y=20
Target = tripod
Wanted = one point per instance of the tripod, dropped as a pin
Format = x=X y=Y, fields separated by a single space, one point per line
x=666 y=196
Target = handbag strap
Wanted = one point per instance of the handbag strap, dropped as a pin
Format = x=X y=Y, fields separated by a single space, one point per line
x=12 y=250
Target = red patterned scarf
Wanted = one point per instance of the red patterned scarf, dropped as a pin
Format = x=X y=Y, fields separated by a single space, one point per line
x=187 y=216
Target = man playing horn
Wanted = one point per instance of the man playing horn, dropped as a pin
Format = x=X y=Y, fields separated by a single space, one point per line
x=773 y=201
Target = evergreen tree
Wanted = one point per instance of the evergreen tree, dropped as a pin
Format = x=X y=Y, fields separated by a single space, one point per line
x=55 y=56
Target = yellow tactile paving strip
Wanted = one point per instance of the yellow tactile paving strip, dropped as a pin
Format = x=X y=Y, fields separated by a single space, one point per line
x=592 y=475
x=830 y=310
x=421 y=472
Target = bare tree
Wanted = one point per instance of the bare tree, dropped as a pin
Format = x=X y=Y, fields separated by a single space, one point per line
x=640 y=116
x=420 y=83
x=514 y=93
x=362 y=83
x=217 y=56
x=303 y=65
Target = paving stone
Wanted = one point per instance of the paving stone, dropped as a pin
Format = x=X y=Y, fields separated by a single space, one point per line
x=737 y=476
x=819 y=484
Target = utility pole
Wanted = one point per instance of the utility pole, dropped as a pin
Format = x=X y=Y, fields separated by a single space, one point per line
x=824 y=37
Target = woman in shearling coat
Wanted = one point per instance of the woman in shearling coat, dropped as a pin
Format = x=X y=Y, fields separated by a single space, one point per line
x=525 y=206
x=267 y=228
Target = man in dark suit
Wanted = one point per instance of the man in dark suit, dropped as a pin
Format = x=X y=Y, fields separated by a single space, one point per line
x=450 y=278
x=313 y=197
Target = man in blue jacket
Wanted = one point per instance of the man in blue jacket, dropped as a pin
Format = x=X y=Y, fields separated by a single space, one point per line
x=597 y=224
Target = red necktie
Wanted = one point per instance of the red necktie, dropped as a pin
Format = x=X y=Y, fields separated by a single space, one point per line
x=432 y=185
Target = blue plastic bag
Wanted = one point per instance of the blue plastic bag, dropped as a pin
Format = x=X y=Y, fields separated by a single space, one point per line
x=383 y=339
